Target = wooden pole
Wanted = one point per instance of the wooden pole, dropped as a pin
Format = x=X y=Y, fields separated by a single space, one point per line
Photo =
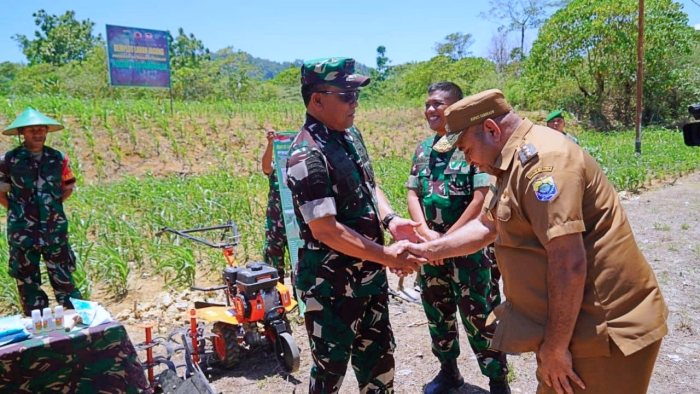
x=640 y=78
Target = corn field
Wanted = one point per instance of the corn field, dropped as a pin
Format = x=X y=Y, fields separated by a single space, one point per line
x=139 y=169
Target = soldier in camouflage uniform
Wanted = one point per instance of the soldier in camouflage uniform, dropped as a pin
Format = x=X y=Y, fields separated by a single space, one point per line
x=444 y=192
x=338 y=206
x=34 y=182
x=275 y=233
x=555 y=120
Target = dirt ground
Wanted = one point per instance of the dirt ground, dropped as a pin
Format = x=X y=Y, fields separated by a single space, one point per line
x=666 y=224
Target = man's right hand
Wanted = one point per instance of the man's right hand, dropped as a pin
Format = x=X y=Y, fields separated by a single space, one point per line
x=270 y=135
x=401 y=262
x=418 y=250
x=431 y=235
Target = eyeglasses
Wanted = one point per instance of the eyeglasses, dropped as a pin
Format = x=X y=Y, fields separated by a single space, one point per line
x=349 y=96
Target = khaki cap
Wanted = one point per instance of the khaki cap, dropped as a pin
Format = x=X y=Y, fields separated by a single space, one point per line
x=468 y=112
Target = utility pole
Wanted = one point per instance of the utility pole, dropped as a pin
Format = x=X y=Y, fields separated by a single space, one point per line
x=640 y=78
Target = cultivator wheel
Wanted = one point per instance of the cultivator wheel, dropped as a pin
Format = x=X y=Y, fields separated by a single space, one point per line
x=287 y=352
x=227 y=351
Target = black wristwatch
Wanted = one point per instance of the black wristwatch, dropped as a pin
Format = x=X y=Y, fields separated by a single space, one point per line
x=388 y=218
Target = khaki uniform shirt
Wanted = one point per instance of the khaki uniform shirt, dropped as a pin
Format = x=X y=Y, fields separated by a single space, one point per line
x=551 y=187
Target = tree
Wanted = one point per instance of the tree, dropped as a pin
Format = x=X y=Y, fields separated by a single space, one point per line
x=186 y=51
x=520 y=15
x=472 y=74
x=8 y=73
x=289 y=77
x=455 y=46
x=235 y=77
x=500 y=52
x=61 y=39
x=588 y=49
x=382 y=63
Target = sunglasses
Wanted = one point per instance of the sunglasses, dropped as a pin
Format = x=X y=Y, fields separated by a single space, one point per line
x=350 y=96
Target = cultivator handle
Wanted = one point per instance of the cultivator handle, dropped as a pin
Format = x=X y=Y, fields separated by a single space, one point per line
x=230 y=241
x=208 y=289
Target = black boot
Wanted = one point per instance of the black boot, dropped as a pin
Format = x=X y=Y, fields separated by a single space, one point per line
x=499 y=385
x=447 y=379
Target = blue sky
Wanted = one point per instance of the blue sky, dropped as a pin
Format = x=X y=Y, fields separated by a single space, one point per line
x=285 y=30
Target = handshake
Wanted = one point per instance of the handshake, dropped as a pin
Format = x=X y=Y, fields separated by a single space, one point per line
x=407 y=254
x=404 y=257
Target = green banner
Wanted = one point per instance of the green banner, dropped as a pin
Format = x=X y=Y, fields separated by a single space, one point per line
x=280 y=146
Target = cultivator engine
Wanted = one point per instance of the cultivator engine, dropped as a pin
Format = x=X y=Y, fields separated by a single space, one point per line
x=254 y=315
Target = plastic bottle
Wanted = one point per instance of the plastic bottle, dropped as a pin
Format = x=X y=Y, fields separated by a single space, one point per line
x=58 y=316
x=49 y=323
x=37 y=324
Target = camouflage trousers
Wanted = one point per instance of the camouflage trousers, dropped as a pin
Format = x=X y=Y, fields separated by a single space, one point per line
x=464 y=283
x=341 y=329
x=495 y=295
x=275 y=237
x=25 y=268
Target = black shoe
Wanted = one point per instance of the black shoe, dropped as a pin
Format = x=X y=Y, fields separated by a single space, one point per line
x=447 y=379
x=499 y=385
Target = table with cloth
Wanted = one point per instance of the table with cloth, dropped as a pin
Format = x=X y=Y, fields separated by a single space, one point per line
x=98 y=359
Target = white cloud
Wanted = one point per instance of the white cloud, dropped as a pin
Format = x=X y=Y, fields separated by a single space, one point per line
x=697 y=26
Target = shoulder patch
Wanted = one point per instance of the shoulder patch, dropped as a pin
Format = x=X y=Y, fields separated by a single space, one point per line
x=544 y=188
x=526 y=153
x=539 y=170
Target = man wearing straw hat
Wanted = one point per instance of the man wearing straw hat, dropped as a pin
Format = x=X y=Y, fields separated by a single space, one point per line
x=35 y=180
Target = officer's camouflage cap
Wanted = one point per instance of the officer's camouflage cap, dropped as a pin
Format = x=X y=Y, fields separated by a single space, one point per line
x=335 y=71
x=468 y=112
x=32 y=117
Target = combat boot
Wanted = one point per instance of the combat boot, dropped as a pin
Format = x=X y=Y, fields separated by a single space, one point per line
x=447 y=379
x=499 y=385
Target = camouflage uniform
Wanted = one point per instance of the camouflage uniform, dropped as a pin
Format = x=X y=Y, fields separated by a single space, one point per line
x=495 y=296
x=444 y=183
x=329 y=173
x=275 y=233
x=98 y=359
x=37 y=225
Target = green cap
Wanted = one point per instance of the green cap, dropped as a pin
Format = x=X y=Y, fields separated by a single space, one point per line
x=555 y=114
x=32 y=117
x=335 y=71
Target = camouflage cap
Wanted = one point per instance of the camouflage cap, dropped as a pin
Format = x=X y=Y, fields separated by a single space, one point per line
x=335 y=71
x=555 y=114
x=468 y=112
x=32 y=117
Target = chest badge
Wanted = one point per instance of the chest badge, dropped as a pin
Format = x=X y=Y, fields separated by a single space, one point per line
x=544 y=187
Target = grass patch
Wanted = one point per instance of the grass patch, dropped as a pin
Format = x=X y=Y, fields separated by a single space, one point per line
x=202 y=168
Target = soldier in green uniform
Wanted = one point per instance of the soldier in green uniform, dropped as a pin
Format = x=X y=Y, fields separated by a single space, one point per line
x=444 y=192
x=342 y=215
x=555 y=120
x=35 y=180
x=275 y=233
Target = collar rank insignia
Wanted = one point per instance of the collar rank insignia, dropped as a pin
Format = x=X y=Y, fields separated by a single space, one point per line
x=526 y=153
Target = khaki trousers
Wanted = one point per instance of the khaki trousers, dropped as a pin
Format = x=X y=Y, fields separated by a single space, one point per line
x=614 y=374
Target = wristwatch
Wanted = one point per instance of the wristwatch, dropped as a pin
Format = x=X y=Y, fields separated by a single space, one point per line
x=388 y=218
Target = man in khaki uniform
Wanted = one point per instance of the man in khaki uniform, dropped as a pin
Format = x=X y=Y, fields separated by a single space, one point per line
x=579 y=292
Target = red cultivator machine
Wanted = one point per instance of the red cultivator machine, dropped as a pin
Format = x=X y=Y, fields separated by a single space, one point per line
x=253 y=316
